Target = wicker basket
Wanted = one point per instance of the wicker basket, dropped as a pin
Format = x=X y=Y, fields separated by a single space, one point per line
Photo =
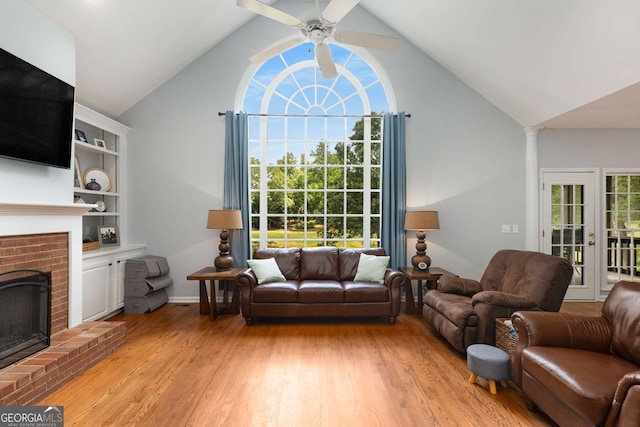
x=506 y=338
x=90 y=246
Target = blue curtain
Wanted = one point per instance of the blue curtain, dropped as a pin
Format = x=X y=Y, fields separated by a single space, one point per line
x=236 y=185
x=394 y=189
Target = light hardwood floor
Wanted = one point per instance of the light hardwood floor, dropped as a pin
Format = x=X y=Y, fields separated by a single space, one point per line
x=177 y=368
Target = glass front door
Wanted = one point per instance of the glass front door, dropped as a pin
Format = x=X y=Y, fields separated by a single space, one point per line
x=569 y=227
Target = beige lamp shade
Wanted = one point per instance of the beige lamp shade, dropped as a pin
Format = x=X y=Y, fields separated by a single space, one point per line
x=421 y=220
x=224 y=220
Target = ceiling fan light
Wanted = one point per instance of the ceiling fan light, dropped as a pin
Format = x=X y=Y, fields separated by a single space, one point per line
x=317 y=35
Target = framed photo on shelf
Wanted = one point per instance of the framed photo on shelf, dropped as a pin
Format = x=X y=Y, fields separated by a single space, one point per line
x=78 y=180
x=99 y=143
x=108 y=235
x=80 y=136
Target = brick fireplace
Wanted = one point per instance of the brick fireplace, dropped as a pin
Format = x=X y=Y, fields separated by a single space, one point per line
x=26 y=229
x=43 y=252
x=48 y=238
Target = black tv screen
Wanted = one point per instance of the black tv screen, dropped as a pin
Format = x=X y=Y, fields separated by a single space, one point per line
x=36 y=114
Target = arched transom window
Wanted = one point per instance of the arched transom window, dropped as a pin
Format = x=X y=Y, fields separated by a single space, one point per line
x=315 y=151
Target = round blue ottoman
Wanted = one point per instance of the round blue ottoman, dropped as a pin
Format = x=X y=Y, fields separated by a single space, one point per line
x=488 y=362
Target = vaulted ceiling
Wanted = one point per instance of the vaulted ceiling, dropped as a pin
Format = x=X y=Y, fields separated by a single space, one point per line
x=551 y=63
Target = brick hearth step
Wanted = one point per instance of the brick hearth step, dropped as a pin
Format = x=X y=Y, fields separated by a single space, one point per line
x=71 y=352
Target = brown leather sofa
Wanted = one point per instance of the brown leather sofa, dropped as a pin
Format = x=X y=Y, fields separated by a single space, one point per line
x=583 y=370
x=319 y=283
x=463 y=310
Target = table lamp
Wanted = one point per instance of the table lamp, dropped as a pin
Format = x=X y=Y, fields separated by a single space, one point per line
x=421 y=221
x=224 y=220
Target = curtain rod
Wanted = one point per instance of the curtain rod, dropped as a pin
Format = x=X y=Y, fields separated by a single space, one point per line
x=220 y=113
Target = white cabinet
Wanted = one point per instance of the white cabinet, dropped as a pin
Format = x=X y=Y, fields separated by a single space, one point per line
x=103 y=281
x=96 y=287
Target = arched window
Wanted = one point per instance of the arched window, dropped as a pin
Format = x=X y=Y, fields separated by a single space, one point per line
x=315 y=151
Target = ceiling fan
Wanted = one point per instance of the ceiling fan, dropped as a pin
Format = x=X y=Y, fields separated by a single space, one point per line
x=318 y=26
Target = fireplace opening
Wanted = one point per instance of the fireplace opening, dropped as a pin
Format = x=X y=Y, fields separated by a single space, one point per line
x=25 y=320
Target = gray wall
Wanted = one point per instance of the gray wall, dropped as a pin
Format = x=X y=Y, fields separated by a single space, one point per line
x=589 y=148
x=28 y=34
x=465 y=157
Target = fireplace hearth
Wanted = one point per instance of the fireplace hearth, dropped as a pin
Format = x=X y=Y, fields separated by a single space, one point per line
x=25 y=318
x=48 y=237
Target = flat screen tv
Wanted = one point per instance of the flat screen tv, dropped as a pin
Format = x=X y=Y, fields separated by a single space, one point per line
x=36 y=114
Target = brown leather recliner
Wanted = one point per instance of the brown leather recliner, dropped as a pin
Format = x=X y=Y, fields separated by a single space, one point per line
x=463 y=310
x=319 y=283
x=583 y=370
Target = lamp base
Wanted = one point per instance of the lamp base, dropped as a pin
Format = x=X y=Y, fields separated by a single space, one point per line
x=223 y=262
x=421 y=262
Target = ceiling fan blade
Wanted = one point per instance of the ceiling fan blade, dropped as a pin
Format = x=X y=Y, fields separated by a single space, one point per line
x=274 y=50
x=325 y=61
x=270 y=12
x=373 y=41
x=336 y=10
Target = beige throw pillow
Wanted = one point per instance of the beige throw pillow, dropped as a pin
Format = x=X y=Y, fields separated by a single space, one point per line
x=371 y=268
x=266 y=270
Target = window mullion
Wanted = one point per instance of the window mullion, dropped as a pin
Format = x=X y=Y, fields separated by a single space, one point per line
x=264 y=223
x=366 y=196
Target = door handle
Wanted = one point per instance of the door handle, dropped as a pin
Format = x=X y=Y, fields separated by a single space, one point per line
x=591 y=243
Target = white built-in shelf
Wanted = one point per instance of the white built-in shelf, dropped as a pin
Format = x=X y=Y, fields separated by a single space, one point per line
x=86 y=146
x=78 y=190
x=111 y=158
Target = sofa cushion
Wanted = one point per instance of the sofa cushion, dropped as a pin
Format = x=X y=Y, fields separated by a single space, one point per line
x=371 y=268
x=365 y=292
x=621 y=310
x=349 y=259
x=266 y=270
x=320 y=291
x=570 y=375
x=276 y=292
x=319 y=264
x=288 y=260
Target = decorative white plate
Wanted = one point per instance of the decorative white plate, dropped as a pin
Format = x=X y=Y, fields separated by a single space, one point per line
x=101 y=176
x=101 y=206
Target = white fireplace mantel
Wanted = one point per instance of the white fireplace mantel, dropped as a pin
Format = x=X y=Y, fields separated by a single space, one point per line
x=44 y=209
x=18 y=219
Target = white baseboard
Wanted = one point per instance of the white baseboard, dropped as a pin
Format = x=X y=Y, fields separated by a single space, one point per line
x=184 y=300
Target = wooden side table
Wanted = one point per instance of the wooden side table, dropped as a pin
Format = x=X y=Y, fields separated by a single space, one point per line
x=430 y=276
x=211 y=274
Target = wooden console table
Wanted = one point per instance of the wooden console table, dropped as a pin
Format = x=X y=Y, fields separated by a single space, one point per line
x=208 y=302
x=430 y=276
